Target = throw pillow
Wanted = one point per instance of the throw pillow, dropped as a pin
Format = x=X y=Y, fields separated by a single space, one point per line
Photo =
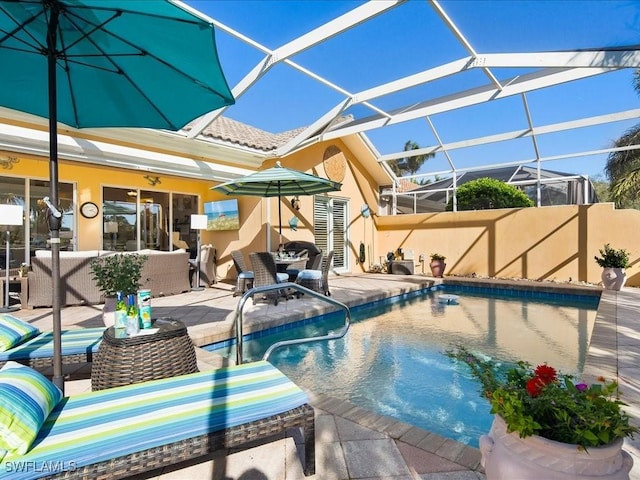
x=26 y=400
x=14 y=331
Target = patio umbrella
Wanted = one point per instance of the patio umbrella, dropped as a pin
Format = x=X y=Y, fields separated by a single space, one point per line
x=105 y=63
x=276 y=182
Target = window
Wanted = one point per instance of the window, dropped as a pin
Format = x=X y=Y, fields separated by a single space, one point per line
x=34 y=233
x=142 y=219
x=330 y=229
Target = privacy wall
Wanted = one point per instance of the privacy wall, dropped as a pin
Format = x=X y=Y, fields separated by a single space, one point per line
x=548 y=243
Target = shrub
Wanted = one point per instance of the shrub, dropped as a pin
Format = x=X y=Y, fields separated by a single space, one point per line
x=612 y=258
x=541 y=401
x=488 y=193
x=118 y=273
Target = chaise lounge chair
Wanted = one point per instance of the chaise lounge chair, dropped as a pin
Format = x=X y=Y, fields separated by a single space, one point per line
x=123 y=431
x=35 y=348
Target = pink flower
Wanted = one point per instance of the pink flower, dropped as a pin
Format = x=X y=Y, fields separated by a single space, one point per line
x=582 y=387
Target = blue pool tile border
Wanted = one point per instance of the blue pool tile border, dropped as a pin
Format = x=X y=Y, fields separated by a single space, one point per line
x=590 y=300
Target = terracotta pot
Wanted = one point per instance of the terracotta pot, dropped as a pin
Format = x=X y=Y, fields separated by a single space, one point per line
x=109 y=311
x=613 y=278
x=437 y=267
x=507 y=456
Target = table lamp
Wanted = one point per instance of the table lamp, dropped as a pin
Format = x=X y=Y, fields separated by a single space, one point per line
x=9 y=215
x=198 y=223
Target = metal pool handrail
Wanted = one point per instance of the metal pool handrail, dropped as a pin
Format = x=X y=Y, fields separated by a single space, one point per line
x=280 y=286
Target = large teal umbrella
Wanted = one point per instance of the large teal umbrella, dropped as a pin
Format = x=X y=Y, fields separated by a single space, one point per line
x=105 y=63
x=276 y=182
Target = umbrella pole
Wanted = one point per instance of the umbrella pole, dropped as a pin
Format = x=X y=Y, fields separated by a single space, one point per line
x=279 y=217
x=280 y=220
x=54 y=221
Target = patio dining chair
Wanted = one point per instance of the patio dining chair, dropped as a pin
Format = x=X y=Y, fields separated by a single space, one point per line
x=317 y=280
x=245 y=276
x=265 y=273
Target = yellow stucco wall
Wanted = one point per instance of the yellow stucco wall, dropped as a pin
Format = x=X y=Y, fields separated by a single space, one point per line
x=537 y=243
x=252 y=235
x=548 y=243
x=357 y=187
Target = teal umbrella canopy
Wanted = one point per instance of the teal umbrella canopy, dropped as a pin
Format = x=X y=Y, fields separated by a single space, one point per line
x=105 y=63
x=129 y=63
x=277 y=182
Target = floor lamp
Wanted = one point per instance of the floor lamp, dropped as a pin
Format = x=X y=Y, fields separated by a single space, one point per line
x=198 y=223
x=9 y=215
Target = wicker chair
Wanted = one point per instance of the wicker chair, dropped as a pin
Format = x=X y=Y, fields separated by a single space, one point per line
x=296 y=267
x=245 y=276
x=208 y=272
x=265 y=272
x=317 y=280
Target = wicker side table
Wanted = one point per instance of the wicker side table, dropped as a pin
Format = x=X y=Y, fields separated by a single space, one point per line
x=122 y=360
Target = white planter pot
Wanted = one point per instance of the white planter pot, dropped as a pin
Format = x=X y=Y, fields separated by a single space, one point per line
x=507 y=456
x=613 y=278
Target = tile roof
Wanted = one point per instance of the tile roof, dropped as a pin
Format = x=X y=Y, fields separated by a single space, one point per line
x=229 y=130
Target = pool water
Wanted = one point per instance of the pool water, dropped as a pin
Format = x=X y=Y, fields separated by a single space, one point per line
x=391 y=361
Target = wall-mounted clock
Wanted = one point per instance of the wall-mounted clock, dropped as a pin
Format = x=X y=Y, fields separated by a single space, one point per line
x=89 y=210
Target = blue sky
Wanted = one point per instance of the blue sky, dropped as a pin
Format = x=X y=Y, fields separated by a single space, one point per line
x=412 y=38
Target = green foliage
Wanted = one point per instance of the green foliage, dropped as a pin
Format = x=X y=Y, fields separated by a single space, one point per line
x=437 y=256
x=118 y=272
x=488 y=193
x=623 y=167
x=601 y=188
x=409 y=165
x=549 y=404
x=612 y=258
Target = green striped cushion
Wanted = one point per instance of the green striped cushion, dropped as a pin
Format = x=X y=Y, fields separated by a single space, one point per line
x=74 y=342
x=96 y=426
x=26 y=399
x=14 y=331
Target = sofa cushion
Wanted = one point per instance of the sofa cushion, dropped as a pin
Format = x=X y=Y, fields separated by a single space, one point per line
x=26 y=399
x=71 y=254
x=14 y=331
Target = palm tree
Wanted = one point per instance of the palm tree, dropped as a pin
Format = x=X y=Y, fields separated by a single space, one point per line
x=409 y=165
x=623 y=167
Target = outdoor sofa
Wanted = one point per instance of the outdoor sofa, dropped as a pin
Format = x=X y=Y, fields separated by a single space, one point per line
x=164 y=273
x=123 y=431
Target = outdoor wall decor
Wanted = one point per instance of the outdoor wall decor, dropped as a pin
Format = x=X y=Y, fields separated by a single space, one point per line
x=222 y=215
x=335 y=163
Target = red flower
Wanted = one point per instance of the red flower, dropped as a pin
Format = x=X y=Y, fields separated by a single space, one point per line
x=546 y=374
x=535 y=386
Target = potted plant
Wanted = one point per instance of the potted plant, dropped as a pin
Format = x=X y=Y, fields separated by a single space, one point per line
x=119 y=272
x=437 y=264
x=548 y=426
x=23 y=270
x=613 y=262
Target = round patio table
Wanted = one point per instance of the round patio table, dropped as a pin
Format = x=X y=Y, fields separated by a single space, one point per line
x=122 y=359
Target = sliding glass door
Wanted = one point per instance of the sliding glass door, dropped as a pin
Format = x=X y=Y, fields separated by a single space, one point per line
x=144 y=219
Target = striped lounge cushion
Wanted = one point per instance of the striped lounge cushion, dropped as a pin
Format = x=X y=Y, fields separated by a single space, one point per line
x=26 y=399
x=94 y=427
x=14 y=331
x=74 y=342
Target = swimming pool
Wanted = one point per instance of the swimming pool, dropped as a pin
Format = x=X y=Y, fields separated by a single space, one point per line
x=391 y=360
